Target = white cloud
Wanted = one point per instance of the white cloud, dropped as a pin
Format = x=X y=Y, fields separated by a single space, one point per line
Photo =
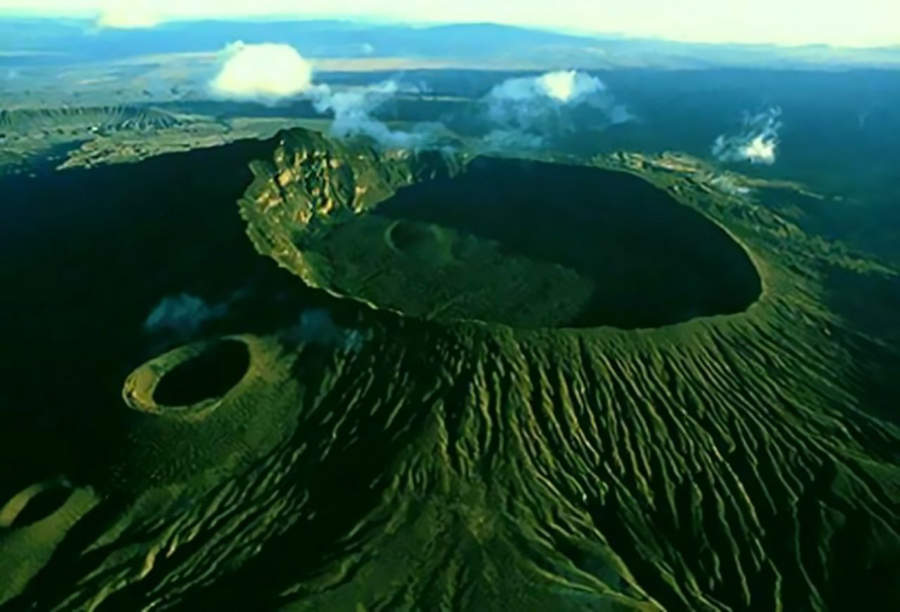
x=524 y=111
x=757 y=144
x=522 y=99
x=563 y=87
x=760 y=150
x=569 y=86
x=133 y=15
x=269 y=72
x=266 y=71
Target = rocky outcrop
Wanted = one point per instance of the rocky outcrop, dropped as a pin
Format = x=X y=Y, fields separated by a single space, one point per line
x=311 y=181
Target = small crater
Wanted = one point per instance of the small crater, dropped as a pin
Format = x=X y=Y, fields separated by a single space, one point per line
x=35 y=504
x=406 y=237
x=208 y=375
x=419 y=241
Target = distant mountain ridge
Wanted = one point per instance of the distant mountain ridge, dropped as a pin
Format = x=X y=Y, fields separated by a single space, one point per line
x=113 y=118
x=76 y=41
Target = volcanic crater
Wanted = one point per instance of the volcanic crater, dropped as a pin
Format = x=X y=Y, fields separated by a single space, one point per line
x=209 y=375
x=535 y=245
x=733 y=462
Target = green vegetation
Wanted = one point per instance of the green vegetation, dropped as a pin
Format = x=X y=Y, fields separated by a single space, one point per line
x=76 y=120
x=741 y=456
x=85 y=137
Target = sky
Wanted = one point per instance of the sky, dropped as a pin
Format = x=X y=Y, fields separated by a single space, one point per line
x=854 y=23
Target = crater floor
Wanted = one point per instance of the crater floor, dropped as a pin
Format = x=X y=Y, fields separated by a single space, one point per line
x=532 y=244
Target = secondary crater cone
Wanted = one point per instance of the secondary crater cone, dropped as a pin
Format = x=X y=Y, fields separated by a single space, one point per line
x=189 y=379
x=211 y=374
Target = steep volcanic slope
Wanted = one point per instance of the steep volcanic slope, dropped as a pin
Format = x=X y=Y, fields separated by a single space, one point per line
x=738 y=462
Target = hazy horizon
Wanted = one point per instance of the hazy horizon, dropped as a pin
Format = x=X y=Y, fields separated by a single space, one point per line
x=863 y=24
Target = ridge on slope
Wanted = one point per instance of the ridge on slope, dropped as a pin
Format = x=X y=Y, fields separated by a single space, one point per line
x=725 y=463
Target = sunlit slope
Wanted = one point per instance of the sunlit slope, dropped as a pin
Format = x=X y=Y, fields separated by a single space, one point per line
x=107 y=118
x=746 y=461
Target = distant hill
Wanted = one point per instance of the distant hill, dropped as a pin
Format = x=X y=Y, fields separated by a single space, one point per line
x=112 y=118
x=37 y=41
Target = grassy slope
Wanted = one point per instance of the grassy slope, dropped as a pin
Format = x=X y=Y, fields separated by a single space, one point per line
x=736 y=462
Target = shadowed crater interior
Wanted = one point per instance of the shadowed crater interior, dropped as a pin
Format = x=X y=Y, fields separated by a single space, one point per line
x=647 y=260
x=410 y=236
x=35 y=504
x=209 y=375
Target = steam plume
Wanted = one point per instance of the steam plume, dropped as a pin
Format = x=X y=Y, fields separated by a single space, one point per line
x=182 y=315
x=757 y=144
x=561 y=88
x=353 y=108
x=729 y=185
x=526 y=110
x=271 y=72
x=318 y=328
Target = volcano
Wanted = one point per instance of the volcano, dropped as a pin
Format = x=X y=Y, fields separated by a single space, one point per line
x=548 y=385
